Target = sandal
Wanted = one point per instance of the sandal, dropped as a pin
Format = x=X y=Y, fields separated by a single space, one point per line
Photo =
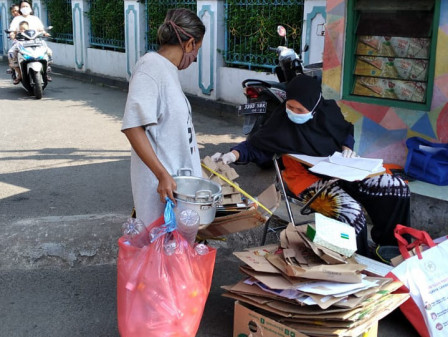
x=17 y=81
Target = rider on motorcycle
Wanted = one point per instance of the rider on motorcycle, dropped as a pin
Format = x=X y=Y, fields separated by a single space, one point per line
x=33 y=23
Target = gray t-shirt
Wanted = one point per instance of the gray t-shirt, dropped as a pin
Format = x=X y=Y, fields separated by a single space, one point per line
x=156 y=101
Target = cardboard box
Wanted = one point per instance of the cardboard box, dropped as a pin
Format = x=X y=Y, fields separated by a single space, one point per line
x=243 y=220
x=250 y=323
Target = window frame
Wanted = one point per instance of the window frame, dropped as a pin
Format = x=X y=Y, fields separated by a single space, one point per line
x=349 y=64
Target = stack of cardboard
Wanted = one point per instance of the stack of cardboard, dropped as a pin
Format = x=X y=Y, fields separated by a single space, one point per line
x=314 y=290
x=237 y=211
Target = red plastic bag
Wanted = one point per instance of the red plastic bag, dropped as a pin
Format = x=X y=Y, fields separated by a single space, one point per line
x=425 y=277
x=160 y=295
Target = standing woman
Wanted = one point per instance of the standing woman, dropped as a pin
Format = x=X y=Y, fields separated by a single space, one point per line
x=157 y=119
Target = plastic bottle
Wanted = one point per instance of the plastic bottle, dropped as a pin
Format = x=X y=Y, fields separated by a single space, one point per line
x=201 y=249
x=169 y=244
x=135 y=232
x=188 y=225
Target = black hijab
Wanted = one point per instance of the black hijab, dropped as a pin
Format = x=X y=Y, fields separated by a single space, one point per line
x=324 y=134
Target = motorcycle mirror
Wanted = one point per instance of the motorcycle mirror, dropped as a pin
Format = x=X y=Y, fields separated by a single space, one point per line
x=281 y=31
x=305 y=49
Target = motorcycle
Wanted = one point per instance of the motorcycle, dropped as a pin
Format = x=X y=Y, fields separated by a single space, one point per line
x=263 y=97
x=33 y=60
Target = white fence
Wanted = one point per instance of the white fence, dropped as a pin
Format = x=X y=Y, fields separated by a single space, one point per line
x=208 y=78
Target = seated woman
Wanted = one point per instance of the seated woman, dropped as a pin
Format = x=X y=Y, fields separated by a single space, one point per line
x=308 y=124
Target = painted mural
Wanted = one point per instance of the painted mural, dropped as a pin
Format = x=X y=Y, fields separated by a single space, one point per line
x=381 y=131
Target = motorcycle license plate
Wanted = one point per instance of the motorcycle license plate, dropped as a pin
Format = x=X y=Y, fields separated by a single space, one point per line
x=252 y=108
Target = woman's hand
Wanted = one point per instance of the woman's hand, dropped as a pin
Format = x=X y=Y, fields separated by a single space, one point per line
x=348 y=153
x=227 y=158
x=166 y=187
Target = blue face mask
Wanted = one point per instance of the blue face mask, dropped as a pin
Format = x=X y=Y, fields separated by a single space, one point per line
x=299 y=118
x=302 y=118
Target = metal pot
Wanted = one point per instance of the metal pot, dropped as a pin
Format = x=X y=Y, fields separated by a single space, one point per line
x=199 y=194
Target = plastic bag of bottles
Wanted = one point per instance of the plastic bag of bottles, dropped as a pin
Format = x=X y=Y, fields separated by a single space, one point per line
x=162 y=287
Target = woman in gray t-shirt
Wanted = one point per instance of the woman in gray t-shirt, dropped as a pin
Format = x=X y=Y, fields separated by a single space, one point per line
x=157 y=119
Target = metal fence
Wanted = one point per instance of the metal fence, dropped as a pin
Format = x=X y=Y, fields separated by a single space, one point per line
x=155 y=14
x=1 y=36
x=59 y=15
x=107 y=24
x=251 y=28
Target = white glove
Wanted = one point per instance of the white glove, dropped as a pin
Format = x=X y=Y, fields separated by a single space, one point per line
x=228 y=158
x=347 y=153
x=216 y=157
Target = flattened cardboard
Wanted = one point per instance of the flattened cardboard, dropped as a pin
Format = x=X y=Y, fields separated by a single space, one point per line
x=345 y=273
x=255 y=258
x=273 y=281
x=243 y=220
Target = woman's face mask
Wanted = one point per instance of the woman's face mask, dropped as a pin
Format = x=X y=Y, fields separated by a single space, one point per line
x=304 y=117
x=188 y=58
x=298 y=118
x=25 y=11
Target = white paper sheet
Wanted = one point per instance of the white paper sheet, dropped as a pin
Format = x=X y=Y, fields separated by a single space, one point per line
x=350 y=169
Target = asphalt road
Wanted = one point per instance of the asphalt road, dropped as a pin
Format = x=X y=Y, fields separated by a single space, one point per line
x=64 y=193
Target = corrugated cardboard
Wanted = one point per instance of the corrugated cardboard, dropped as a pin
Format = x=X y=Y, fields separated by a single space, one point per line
x=243 y=220
x=249 y=323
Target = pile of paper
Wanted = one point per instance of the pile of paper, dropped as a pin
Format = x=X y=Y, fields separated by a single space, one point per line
x=313 y=289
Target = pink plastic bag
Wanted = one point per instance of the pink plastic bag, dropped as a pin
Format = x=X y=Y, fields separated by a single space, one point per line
x=162 y=295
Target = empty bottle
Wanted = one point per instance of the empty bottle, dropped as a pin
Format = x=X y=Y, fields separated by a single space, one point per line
x=188 y=225
x=135 y=232
x=201 y=249
x=169 y=244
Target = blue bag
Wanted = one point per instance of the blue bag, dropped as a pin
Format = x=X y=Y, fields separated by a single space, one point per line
x=427 y=161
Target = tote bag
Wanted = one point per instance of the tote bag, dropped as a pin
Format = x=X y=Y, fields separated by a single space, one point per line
x=427 y=161
x=425 y=276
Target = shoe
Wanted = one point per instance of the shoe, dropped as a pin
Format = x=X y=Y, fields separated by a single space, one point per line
x=9 y=71
x=49 y=79
x=17 y=81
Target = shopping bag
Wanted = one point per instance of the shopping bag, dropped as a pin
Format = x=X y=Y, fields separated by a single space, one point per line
x=158 y=293
x=425 y=276
x=427 y=161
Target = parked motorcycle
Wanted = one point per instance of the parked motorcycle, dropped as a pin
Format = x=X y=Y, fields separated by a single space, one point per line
x=263 y=97
x=33 y=61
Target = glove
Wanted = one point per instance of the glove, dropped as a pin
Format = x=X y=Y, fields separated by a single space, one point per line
x=228 y=158
x=216 y=157
x=347 y=153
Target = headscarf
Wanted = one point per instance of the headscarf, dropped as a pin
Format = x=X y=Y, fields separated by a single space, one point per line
x=324 y=134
